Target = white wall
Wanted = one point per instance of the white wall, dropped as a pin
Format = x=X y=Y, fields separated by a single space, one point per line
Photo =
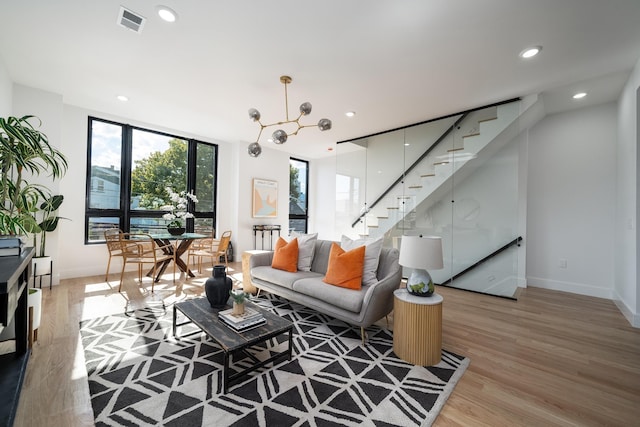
x=272 y=165
x=322 y=205
x=626 y=286
x=571 y=201
x=6 y=92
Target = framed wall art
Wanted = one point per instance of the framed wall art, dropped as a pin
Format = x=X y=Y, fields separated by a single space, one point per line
x=265 y=198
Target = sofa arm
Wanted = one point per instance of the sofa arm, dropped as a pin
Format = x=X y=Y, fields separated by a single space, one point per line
x=379 y=299
x=260 y=259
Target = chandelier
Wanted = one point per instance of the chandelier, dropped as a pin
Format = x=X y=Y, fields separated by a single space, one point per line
x=280 y=136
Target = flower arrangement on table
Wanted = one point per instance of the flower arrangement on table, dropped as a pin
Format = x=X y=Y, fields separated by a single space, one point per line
x=177 y=209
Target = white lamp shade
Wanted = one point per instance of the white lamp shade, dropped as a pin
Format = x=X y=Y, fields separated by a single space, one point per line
x=421 y=252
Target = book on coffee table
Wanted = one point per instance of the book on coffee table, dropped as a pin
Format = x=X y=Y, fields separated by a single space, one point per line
x=249 y=319
x=245 y=326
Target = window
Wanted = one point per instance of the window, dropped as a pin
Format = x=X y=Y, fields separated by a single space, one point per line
x=128 y=171
x=298 y=195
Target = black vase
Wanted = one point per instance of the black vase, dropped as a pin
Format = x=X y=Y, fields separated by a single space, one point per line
x=176 y=231
x=217 y=287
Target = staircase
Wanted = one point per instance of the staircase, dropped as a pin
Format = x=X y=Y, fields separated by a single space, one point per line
x=459 y=152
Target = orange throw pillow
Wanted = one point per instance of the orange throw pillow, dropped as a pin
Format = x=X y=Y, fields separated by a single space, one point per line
x=285 y=256
x=345 y=268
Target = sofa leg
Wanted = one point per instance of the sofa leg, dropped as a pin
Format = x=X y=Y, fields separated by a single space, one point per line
x=387 y=319
x=363 y=335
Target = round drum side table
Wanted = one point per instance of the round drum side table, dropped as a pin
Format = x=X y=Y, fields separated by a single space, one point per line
x=417 y=328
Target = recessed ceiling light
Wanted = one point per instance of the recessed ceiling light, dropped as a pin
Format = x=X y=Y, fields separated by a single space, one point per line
x=530 y=52
x=579 y=95
x=167 y=14
x=406 y=144
x=350 y=113
x=122 y=98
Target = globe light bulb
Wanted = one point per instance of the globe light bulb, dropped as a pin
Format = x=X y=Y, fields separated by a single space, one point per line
x=254 y=149
x=279 y=136
x=305 y=108
x=324 y=124
x=254 y=114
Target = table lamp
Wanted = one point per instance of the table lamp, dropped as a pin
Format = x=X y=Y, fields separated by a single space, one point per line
x=421 y=253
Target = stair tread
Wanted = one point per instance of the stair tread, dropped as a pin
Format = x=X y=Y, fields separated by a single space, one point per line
x=440 y=163
x=382 y=217
x=393 y=208
x=415 y=186
x=472 y=134
x=488 y=119
x=428 y=174
x=455 y=149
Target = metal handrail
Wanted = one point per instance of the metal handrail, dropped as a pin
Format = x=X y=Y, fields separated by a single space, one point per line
x=515 y=241
x=410 y=168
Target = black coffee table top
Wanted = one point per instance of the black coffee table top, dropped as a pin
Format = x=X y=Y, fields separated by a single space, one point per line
x=200 y=312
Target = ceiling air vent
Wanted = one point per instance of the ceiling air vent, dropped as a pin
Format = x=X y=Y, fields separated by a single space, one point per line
x=130 y=20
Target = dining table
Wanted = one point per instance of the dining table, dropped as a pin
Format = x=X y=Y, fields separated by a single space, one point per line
x=174 y=244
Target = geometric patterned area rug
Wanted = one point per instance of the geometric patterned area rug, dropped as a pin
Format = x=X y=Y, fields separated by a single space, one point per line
x=140 y=375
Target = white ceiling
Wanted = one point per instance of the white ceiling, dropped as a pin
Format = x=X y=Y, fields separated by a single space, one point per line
x=393 y=62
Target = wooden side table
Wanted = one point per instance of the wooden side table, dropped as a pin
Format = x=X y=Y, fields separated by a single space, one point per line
x=247 y=284
x=417 y=328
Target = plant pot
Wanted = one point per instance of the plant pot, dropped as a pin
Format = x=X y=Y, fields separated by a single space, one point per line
x=41 y=266
x=176 y=231
x=238 y=308
x=34 y=299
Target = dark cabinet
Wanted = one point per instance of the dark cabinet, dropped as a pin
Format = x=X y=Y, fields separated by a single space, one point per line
x=14 y=278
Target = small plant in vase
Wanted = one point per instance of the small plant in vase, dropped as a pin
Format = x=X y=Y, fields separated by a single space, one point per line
x=239 y=298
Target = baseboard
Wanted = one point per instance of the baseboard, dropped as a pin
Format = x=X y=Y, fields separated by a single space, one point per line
x=632 y=318
x=575 y=288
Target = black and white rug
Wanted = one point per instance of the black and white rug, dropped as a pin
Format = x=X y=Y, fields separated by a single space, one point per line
x=140 y=375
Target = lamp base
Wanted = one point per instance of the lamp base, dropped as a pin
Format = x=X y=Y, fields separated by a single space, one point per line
x=420 y=283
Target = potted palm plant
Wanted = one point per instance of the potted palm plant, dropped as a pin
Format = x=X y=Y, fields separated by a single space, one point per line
x=23 y=148
x=26 y=150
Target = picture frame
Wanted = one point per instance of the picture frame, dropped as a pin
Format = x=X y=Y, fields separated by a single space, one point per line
x=265 y=198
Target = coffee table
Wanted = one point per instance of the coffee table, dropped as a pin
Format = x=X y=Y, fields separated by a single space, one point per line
x=199 y=312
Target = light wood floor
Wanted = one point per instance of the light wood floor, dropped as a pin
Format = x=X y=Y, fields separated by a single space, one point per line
x=549 y=359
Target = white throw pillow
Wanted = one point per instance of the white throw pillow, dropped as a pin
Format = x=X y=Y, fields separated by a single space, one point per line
x=306 y=248
x=371 y=256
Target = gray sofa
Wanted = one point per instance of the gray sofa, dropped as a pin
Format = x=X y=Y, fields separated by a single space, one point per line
x=357 y=307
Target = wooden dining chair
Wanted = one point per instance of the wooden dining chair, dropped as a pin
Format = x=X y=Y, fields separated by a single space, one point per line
x=112 y=239
x=202 y=248
x=209 y=248
x=141 y=249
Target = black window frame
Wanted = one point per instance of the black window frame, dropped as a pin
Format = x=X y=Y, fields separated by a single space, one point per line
x=304 y=217
x=124 y=213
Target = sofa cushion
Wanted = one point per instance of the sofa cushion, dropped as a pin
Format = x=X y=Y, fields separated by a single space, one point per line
x=306 y=248
x=314 y=287
x=371 y=256
x=285 y=255
x=321 y=256
x=281 y=277
x=345 y=267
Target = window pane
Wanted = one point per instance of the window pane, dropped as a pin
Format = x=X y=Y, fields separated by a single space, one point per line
x=299 y=225
x=97 y=225
x=106 y=153
x=148 y=225
x=297 y=187
x=158 y=161
x=204 y=226
x=205 y=175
